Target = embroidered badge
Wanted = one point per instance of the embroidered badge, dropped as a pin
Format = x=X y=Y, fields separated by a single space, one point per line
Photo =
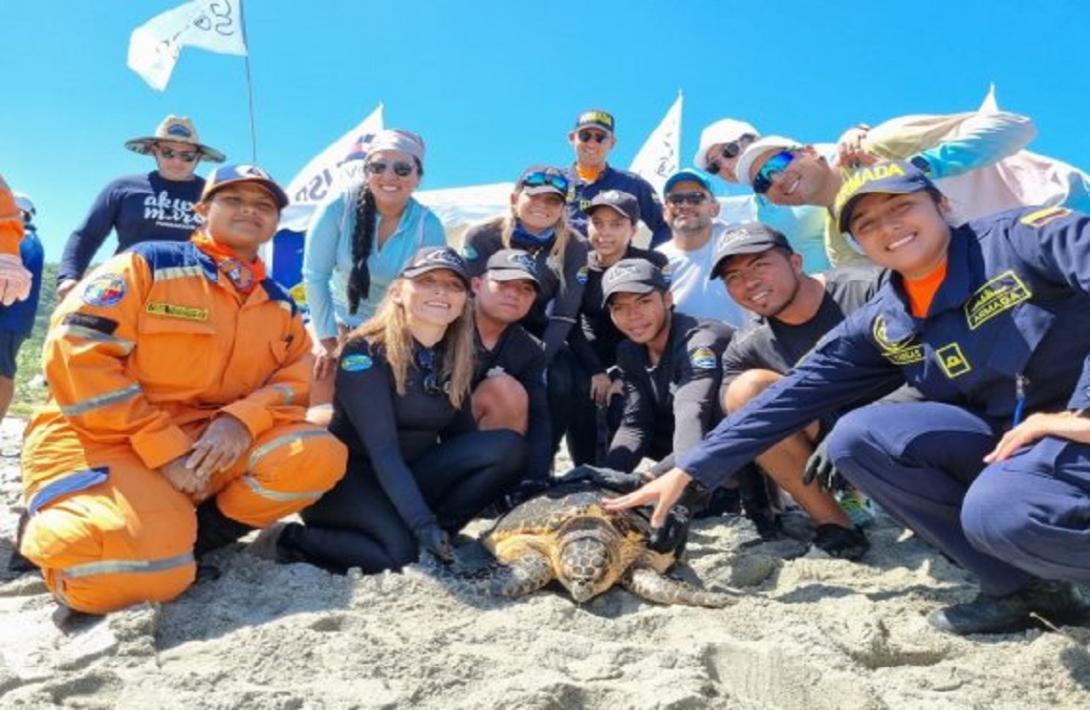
x=703 y=358
x=357 y=362
x=952 y=360
x=667 y=273
x=901 y=352
x=173 y=310
x=1001 y=293
x=1044 y=215
x=105 y=290
x=581 y=275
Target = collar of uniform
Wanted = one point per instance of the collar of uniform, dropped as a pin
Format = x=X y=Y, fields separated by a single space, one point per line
x=573 y=175
x=955 y=287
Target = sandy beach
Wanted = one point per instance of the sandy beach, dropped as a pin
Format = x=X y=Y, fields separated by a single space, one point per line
x=809 y=632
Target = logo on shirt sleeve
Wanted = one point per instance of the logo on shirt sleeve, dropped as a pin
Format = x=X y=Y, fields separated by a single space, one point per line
x=357 y=362
x=1002 y=293
x=703 y=358
x=104 y=291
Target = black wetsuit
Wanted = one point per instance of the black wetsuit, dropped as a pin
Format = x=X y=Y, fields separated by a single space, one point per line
x=594 y=350
x=520 y=355
x=557 y=305
x=414 y=461
x=669 y=407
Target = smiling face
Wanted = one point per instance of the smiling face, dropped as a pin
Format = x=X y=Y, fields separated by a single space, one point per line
x=592 y=152
x=391 y=190
x=176 y=161
x=435 y=298
x=241 y=216
x=538 y=212
x=907 y=233
x=610 y=233
x=640 y=316
x=504 y=301
x=801 y=182
x=764 y=283
x=684 y=216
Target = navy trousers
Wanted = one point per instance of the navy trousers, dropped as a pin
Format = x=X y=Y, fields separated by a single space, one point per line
x=923 y=463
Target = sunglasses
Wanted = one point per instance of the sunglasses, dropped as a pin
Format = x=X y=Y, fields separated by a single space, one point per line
x=540 y=179
x=187 y=156
x=425 y=360
x=731 y=150
x=401 y=168
x=687 y=198
x=772 y=167
x=586 y=136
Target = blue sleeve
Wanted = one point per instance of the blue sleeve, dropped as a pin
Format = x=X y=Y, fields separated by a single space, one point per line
x=696 y=401
x=319 y=261
x=1059 y=250
x=986 y=139
x=539 y=437
x=88 y=237
x=845 y=367
x=367 y=398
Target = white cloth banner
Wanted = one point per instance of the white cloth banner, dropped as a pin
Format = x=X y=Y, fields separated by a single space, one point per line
x=328 y=173
x=658 y=158
x=215 y=25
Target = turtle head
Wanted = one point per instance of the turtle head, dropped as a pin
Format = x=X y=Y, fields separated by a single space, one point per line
x=586 y=565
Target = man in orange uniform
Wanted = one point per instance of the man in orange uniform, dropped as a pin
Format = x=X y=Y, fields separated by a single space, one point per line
x=14 y=277
x=178 y=377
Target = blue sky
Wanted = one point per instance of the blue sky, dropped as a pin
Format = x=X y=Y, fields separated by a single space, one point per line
x=494 y=86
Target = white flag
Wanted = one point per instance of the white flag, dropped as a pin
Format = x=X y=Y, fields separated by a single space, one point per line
x=329 y=172
x=215 y=25
x=658 y=158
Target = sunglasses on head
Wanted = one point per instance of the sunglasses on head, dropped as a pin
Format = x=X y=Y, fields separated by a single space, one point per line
x=772 y=167
x=551 y=179
x=168 y=153
x=401 y=168
x=692 y=198
x=731 y=150
x=586 y=136
x=425 y=360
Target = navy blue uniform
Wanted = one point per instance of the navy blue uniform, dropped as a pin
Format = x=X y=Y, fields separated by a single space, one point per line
x=582 y=192
x=1010 y=323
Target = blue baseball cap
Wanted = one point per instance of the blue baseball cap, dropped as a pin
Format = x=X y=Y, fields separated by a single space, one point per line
x=233 y=174
x=894 y=178
x=687 y=175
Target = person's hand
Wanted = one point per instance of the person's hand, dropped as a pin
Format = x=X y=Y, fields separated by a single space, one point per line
x=435 y=540
x=183 y=478
x=619 y=481
x=15 y=279
x=851 y=153
x=662 y=492
x=671 y=537
x=616 y=388
x=64 y=287
x=225 y=439
x=600 y=385
x=1065 y=425
x=820 y=468
x=325 y=361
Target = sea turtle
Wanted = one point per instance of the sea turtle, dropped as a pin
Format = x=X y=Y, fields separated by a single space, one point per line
x=566 y=535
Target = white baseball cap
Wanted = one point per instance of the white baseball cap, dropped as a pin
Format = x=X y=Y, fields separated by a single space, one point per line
x=757 y=148
x=724 y=130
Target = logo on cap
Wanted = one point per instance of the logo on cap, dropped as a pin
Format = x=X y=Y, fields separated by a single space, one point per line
x=252 y=171
x=597 y=117
x=179 y=129
x=443 y=256
x=861 y=177
x=618 y=273
x=735 y=235
x=524 y=260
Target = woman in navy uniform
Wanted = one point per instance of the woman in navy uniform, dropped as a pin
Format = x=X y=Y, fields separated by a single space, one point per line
x=990 y=321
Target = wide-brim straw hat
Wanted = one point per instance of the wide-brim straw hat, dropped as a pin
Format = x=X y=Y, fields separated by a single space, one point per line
x=175 y=129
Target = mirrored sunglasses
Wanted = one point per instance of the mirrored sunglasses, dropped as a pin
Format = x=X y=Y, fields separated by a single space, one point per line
x=186 y=155
x=731 y=150
x=540 y=179
x=401 y=168
x=772 y=167
x=695 y=197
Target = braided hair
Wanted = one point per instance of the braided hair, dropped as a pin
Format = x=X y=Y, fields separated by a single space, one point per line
x=363 y=238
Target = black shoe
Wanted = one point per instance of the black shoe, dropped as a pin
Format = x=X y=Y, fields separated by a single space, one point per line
x=1057 y=603
x=840 y=542
x=769 y=525
x=215 y=530
x=18 y=563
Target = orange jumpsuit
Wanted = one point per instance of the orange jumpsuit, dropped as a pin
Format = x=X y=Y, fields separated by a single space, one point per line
x=139 y=359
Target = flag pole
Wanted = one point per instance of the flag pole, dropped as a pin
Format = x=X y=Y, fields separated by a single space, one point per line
x=249 y=84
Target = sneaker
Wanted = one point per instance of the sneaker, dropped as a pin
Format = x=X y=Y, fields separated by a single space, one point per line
x=857 y=508
x=840 y=542
x=18 y=563
x=1058 y=603
x=267 y=543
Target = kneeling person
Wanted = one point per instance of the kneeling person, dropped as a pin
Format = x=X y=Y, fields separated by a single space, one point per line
x=178 y=378
x=509 y=364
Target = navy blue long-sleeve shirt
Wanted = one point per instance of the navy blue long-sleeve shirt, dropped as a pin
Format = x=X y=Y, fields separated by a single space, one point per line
x=582 y=192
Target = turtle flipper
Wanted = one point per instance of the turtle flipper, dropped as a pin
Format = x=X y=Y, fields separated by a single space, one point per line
x=648 y=584
x=522 y=576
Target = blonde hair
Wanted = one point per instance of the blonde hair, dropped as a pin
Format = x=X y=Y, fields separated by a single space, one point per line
x=389 y=328
x=555 y=260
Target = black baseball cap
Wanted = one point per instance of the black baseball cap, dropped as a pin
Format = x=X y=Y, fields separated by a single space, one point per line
x=596 y=118
x=633 y=276
x=747 y=238
x=513 y=265
x=623 y=202
x=434 y=258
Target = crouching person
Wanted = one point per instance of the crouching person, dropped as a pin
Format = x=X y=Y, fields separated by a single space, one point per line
x=178 y=376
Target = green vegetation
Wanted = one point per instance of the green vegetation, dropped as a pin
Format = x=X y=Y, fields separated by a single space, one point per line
x=30 y=354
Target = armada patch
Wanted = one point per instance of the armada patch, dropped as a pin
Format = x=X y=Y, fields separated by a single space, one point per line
x=357 y=362
x=173 y=310
x=581 y=275
x=1045 y=215
x=106 y=290
x=952 y=360
x=902 y=352
x=1002 y=293
x=703 y=358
